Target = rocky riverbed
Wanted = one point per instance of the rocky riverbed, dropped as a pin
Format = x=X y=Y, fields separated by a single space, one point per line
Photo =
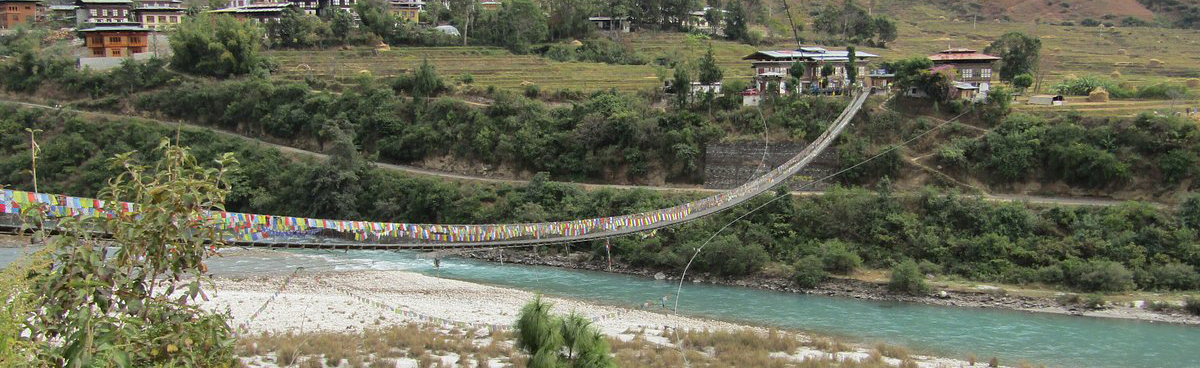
x=984 y=297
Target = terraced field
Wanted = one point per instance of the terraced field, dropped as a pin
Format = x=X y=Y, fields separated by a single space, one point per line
x=1068 y=51
x=1111 y=108
x=488 y=66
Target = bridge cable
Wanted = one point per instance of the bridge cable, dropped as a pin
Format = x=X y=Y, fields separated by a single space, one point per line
x=683 y=276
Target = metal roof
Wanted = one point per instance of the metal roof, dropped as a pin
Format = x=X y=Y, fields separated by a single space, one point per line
x=116 y=29
x=961 y=85
x=961 y=54
x=64 y=7
x=808 y=53
x=106 y=1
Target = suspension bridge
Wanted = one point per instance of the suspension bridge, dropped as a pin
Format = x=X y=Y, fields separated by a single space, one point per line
x=294 y=232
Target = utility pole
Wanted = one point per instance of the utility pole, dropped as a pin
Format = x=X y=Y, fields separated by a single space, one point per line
x=795 y=33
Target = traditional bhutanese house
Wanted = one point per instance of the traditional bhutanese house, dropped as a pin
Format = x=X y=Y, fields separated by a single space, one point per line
x=63 y=12
x=260 y=13
x=337 y=5
x=697 y=19
x=963 y=91
x=881 y=79
x=611 y=24
x=970 y=66
x=1047 y=100
x=18 y=12
x=489 y=4
x=115 y=41
x=407 y=10
x=772 y=67
x=103 y=12
x=159 y=14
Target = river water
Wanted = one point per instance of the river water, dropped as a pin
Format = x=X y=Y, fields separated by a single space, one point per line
x=1013 y=337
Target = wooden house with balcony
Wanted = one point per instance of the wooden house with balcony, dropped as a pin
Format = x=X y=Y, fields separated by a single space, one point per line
x=771 y=68
x=970 y=67
x=116 y=41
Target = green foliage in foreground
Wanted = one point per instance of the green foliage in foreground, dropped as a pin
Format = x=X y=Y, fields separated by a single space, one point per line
x=1135 y=245
x=129 y=300
x=552 y=341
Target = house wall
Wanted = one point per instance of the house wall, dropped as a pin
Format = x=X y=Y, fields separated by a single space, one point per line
x=976 y=73
x=159 y=19
x=116 y=44
x=13 y=14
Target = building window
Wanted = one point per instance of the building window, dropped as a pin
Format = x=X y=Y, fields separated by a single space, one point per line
x=97 y=40
x=135 y=39
x=103 y=12
x=986 y=73
x=93 y=12
x=116 y=52
x=97 y=52
x=114 y=39
x=967 y=73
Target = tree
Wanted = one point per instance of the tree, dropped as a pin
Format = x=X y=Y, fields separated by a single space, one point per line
x=425 y=81
x=714 y=16
x=1023 y=81
x=216 y=45
x=549 y=340
x=906 y=278
x=130 y=300
x=838 y=258
x=569 y=18
x=297 y=29
x=1018 y=54
x=517 y=25
x=852 y=65
x=538 y=333
x=826 y=71
x=710 y=73
x=735 y=21
x=465 y=13
x=796 y=71
x=341 y=24
x=1189 y=212
x=682 y=83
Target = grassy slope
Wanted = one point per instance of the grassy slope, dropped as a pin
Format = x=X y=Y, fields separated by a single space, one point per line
x=924 y=29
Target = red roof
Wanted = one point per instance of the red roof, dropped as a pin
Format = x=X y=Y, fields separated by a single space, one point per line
x=750 y=92
x=961 y=55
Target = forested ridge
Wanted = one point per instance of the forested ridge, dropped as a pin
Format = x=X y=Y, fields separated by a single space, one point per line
x=1133 y=246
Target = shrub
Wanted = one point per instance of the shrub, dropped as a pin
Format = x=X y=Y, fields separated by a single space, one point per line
x=810 y=272
x=1093 y=301
x=1175 y=276
x=1192 y=305
x=532 y=91
x=907 y=278
x=838 y=257
x=1089 y=22
x=729 y=256
x=1098 y=275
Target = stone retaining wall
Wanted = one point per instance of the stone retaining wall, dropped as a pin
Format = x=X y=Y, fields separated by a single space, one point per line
x=728 y=165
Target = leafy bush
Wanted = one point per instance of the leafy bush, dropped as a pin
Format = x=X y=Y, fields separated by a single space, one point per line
x=729 y=256
x=1175 y=276
x=604 y=50
x=810 y=272
x=907 y=278
x=216 y=45
x=1098 y=275
x=838 y=258
x=135 y=306
x=1093 y=301
x=1192 y=305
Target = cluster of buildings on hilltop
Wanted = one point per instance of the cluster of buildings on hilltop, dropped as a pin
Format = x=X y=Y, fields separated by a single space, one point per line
x=971 y=73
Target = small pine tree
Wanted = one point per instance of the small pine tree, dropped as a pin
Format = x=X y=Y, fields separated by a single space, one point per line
x=852 y=65
x=710 y=73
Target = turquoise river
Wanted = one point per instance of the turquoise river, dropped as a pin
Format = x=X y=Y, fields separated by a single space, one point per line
x=1012 y=336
